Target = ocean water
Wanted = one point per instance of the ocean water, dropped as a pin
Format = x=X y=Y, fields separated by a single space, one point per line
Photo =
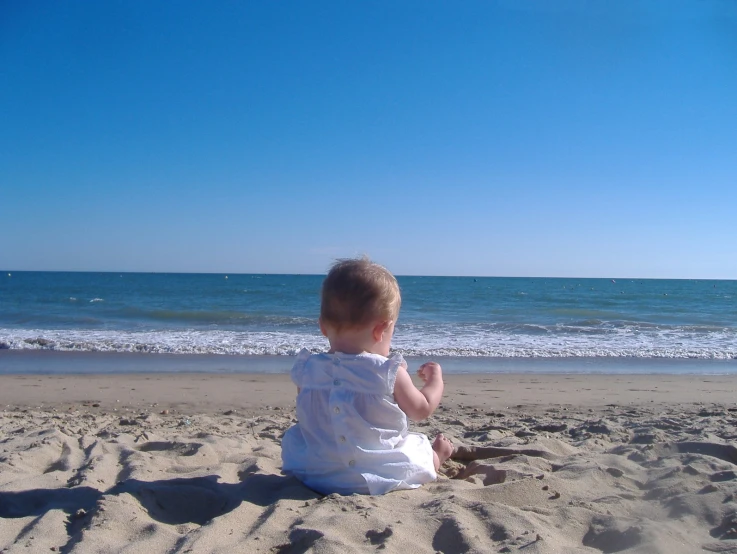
x=461 y=317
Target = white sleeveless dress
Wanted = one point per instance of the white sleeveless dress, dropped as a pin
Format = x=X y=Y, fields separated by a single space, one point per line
x=351 y=437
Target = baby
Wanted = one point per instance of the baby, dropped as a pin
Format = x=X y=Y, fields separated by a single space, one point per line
x=353 y=402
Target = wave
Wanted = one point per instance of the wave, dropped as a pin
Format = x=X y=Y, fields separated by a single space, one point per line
x=716 y=345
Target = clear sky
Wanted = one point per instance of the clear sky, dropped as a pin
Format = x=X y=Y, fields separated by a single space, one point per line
x=515 y=138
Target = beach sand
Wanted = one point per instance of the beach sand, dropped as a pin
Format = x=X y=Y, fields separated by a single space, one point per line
x=545 y=463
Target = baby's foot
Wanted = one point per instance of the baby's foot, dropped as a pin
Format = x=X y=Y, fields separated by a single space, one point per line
x=443 y=449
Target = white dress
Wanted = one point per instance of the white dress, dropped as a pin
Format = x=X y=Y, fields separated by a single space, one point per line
x=351 y=437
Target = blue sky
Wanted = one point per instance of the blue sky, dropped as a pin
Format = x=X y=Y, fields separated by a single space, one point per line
x=515 y=138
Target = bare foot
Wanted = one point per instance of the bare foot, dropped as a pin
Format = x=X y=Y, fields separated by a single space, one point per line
x=442 y=448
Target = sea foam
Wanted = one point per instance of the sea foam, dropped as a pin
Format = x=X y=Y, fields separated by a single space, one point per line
x=717 y=345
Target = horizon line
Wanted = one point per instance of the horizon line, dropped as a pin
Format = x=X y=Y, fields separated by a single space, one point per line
x=226 y=274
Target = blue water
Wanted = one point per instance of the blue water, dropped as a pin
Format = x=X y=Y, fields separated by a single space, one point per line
x=510 y=318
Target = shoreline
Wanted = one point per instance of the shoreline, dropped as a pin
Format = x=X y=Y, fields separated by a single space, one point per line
x=50 y=362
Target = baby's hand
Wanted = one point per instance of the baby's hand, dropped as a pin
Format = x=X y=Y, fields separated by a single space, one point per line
x=430 y=371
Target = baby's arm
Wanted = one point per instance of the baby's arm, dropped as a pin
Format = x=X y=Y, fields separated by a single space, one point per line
x=419 y=404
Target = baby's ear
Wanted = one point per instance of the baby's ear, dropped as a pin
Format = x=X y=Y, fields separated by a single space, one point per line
x=379 y=330
x=323 y=329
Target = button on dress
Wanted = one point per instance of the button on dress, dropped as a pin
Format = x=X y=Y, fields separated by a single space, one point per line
x=351 y=436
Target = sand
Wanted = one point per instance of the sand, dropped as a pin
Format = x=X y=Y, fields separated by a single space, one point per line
x=545 y=463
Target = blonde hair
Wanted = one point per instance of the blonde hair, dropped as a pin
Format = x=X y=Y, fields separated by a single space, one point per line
x=358 y=292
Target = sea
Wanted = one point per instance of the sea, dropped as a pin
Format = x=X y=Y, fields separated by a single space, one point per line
x=244 y=322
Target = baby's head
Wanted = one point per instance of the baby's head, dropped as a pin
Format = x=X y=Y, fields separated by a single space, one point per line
x=360 y=299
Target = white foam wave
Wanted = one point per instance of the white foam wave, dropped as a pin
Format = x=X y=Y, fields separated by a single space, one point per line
x=717 y=345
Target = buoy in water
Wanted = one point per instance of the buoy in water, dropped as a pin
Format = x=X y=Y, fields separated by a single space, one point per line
x=226 y=276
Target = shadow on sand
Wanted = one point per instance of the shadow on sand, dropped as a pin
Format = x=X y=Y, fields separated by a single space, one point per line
x=172 y=501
